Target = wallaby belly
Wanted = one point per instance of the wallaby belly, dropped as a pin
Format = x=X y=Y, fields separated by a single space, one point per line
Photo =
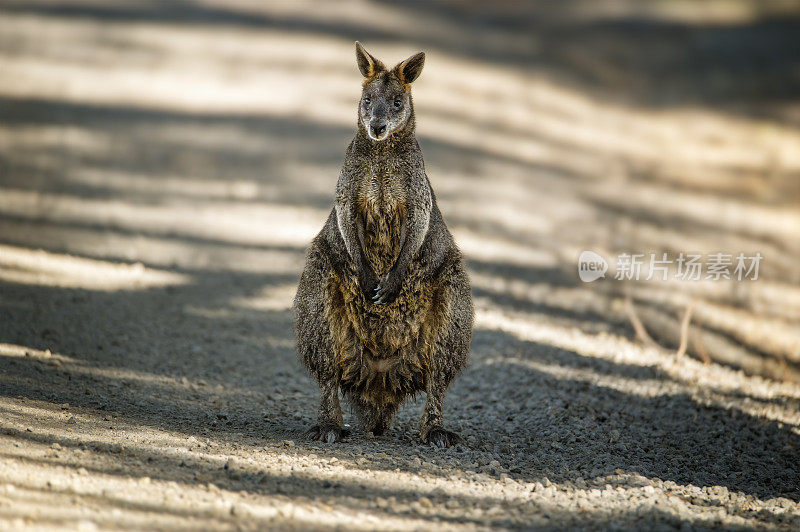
x=383 y=352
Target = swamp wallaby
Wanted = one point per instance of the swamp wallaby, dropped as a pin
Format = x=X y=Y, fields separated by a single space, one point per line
x=383 y=309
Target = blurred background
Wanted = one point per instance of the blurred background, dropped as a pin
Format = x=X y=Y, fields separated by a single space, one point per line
x=164 y=164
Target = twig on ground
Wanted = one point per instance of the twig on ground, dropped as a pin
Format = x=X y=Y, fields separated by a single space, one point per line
x=687 y=317
x=638 y=327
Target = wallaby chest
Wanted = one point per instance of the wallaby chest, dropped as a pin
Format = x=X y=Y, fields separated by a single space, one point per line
x=382 y=207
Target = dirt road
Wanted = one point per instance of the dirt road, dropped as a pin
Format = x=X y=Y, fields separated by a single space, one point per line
x=163 y=166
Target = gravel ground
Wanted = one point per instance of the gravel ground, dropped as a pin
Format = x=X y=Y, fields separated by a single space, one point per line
x=151 y=235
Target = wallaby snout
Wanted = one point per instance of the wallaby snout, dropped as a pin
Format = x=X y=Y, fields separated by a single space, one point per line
x=377 y=128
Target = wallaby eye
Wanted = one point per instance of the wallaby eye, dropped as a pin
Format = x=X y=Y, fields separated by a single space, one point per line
x=367 y=101
x=398 y=104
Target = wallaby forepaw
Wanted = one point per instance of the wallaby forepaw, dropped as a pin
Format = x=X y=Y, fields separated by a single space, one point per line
x=369 y=283
x=327 y=433
x=387 y=289
x=441 y=438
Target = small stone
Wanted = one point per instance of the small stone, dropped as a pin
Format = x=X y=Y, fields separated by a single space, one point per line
x=87 y=526
x=241 y=510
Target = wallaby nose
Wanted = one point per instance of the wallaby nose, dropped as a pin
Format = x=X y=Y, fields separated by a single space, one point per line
x=378 y=129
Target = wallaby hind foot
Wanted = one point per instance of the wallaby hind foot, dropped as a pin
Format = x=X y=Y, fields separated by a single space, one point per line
x=328 y=433
x=439 y=437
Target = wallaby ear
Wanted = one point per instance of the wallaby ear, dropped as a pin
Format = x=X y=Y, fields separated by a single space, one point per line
x=368 y=65
x=410 y=69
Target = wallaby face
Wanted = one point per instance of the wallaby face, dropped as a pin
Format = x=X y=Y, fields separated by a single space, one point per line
x=386 y=106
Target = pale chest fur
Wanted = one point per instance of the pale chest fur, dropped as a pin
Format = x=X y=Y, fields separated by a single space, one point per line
x=382 y=207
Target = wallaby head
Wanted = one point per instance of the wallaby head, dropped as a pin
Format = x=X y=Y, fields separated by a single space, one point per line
x=385 y=107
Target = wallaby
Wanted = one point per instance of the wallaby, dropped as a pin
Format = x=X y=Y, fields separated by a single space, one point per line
x=384 y=309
